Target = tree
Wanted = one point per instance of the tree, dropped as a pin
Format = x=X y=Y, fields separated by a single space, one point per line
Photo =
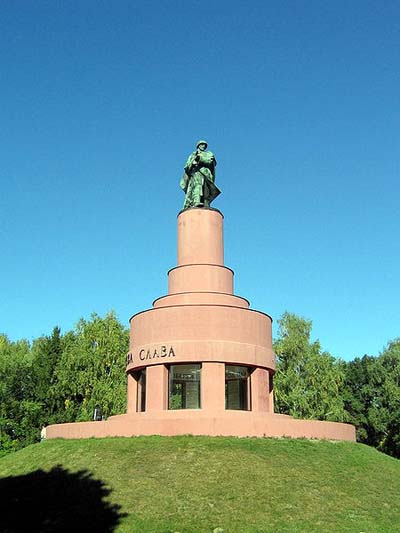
x=91 y=370
x=19 y=411
x=61 y=378
x=362 y=379
x=372 y=398
x=390 y=359
x=46 y=352
x=308 y=382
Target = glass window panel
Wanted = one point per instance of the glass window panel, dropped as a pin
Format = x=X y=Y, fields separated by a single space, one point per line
x=141 y=390
x=184 y=386
x=237 y=387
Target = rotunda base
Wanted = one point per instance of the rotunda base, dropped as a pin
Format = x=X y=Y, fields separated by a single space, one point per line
x=196 y=422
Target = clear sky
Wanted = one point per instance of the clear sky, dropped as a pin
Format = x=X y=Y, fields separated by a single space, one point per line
x=102 y=101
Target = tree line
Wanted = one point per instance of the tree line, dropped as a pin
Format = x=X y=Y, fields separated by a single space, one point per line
x=64 y=377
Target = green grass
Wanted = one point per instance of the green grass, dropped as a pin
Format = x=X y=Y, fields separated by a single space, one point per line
x=190 y=484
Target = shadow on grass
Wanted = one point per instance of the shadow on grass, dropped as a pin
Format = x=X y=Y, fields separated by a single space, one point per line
x=56 y=501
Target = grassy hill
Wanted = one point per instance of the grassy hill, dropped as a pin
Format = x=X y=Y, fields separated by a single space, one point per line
x=189 y=484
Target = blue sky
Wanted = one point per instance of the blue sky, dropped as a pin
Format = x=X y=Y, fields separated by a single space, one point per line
x=101 y=102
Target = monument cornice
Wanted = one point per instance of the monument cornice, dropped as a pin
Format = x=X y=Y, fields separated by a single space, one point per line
x=183 y=293
x=152 y=309
x=200 y=209
x=200 y=265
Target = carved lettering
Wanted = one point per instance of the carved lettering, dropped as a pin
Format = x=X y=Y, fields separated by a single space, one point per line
x=152 y=353
x=129 y=358
x=171 y=352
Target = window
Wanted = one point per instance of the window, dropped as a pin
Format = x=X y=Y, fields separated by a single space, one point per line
x=237 y=387
x=184 y=386
x=141 y=390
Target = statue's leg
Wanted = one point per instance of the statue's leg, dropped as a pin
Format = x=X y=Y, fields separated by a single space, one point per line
x=197 y=190
x=206 y=194
x=189 y=195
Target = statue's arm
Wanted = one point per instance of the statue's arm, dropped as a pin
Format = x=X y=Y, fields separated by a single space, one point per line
x=190 y=163
x=208 y=160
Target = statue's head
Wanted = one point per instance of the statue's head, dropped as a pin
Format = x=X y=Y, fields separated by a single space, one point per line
x=202 y=145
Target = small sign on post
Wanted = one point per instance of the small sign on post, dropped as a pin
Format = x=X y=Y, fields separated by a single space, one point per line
x=97 y=414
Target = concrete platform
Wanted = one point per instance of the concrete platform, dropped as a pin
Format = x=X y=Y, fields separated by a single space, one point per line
x=195 y=422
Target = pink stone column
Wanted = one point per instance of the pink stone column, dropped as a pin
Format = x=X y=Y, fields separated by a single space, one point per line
x=260 y=393
x=213 y=387
x=200 y=237
x=156 y=388
x=200 y=254
x=131 y=394
x=271 y=391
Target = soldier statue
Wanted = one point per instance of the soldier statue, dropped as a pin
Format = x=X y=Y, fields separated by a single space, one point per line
x=198 y=181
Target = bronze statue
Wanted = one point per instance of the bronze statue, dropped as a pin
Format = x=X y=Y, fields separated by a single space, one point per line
x=198 y=181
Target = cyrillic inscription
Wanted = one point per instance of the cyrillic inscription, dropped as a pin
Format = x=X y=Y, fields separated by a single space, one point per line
x=151 y=353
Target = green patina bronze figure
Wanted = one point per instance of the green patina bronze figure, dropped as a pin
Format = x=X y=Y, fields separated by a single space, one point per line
x=198 y=181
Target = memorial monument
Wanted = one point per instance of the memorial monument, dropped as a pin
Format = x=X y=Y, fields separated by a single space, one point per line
x=200 y=360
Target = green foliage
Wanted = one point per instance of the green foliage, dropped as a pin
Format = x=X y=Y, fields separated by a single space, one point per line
x=19 y=409
x=91 y=370
x=372 y=398
x=308 y=382
x=46 y=353
x=7 y=444
x=61 y=378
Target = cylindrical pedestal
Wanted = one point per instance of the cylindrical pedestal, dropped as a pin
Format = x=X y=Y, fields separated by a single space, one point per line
x=200 y=237
x=202 y=323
